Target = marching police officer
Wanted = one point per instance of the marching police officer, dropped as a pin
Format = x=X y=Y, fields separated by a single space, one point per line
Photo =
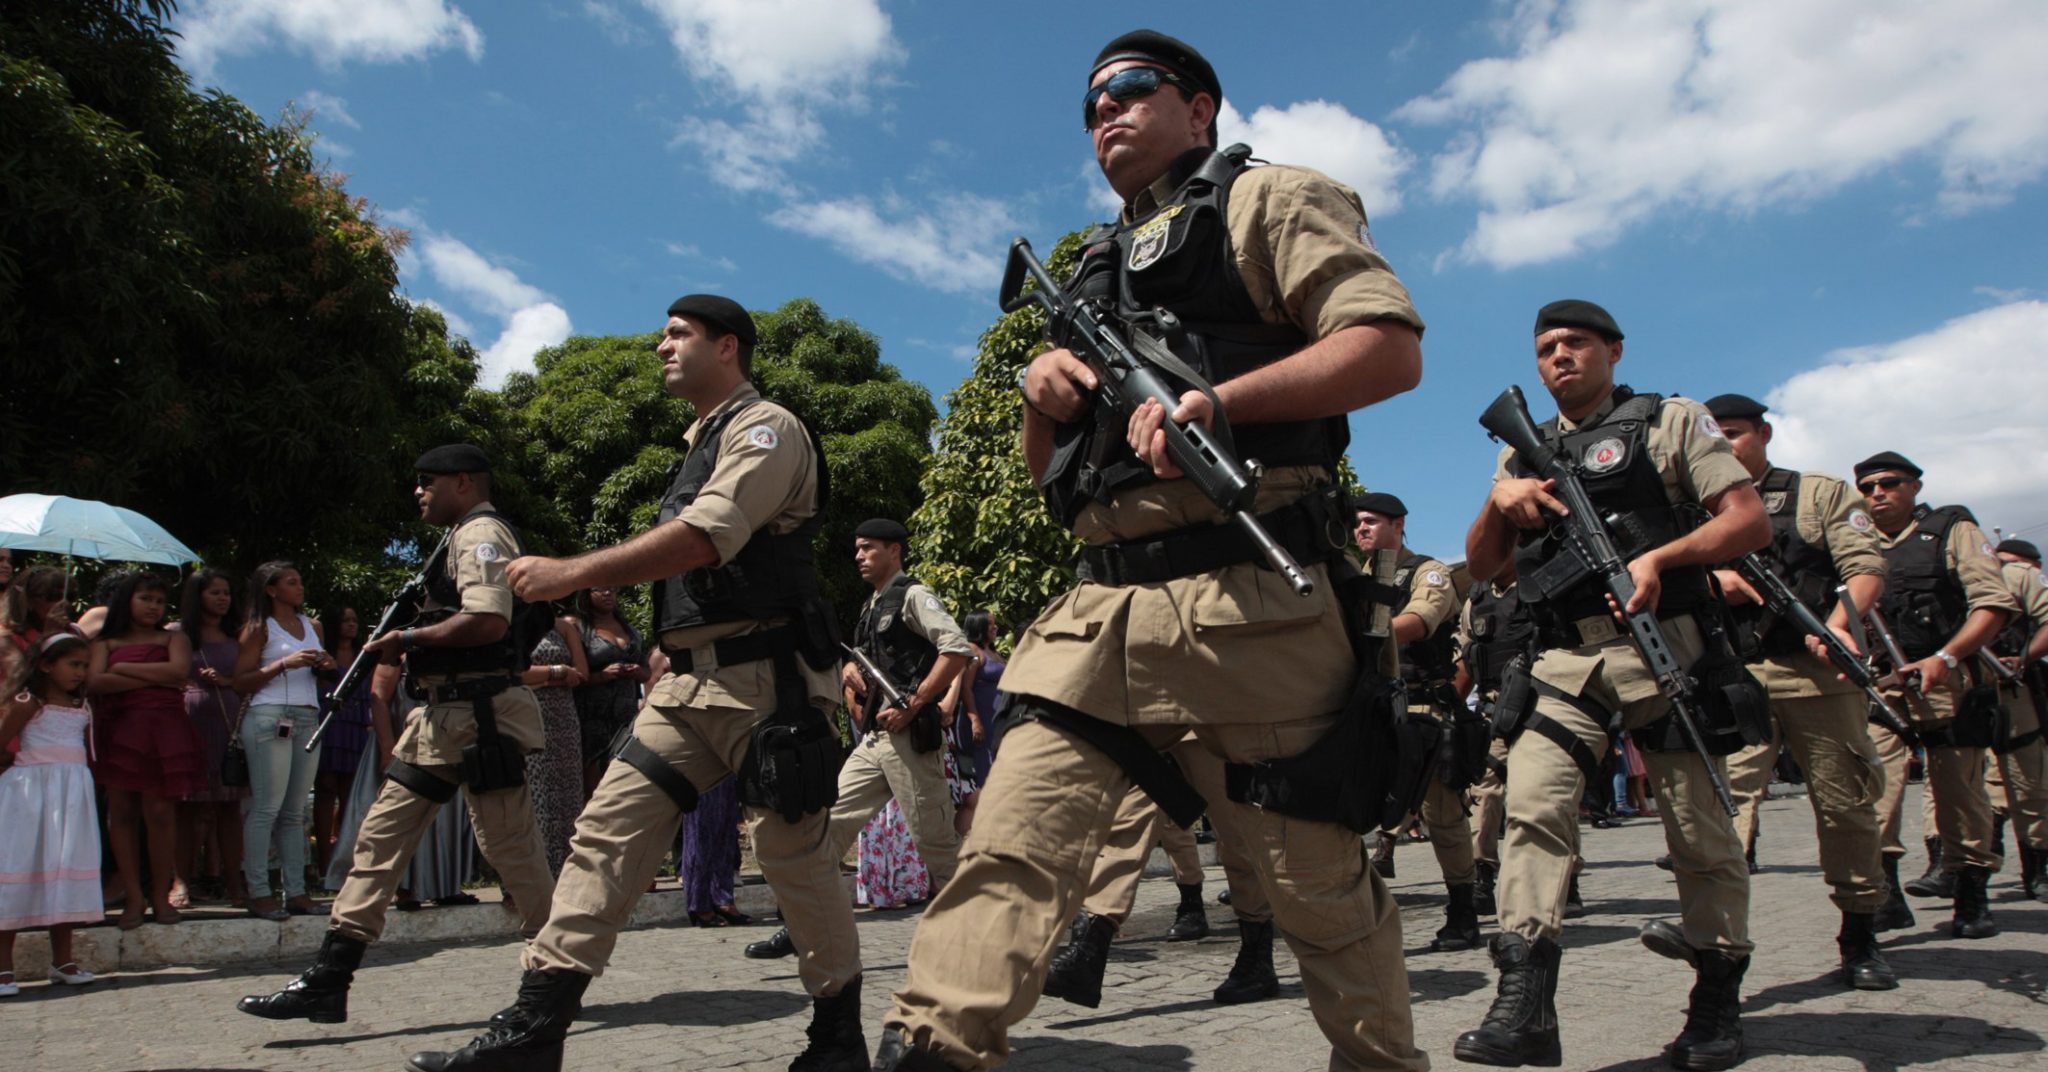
x=905 y=631
x=752 y=671
x=463 y=656
x=1426 y=626
x=1261 y=280
x=1642 y=456
x=2018 y=782
x=1822 y=537
x=1944 y=600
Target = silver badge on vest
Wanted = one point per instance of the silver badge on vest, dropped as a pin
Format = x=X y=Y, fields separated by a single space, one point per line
x=1605 y=455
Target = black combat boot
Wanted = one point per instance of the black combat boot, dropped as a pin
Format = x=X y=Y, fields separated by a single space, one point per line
x=1189 y=921
x=319 y=994
x=1934 y=882
x=1973 y=905
x=1461 y=922
x=1383 y=856
x=1076 y=972
x=1667 y=940
x=1482 y=890
x=1863 y=966
x=525 y=1038
x=1521 y=1027
x=896 y=1055
x=1997 y=834
x=1574 y=907
x=1251 y=977
x=1664 y=862
x=771 y=947
x=2033 y=883
x=836 y=1043
x=1896 y=913
x=1749 y=857
x=1712 y=1038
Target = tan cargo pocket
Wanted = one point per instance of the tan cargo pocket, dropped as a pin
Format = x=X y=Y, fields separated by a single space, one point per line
x=1247 y=600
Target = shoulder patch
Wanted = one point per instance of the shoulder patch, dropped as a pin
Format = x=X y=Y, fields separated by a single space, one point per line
x=1860 y=521
x=931 y=603
x=1989 y=551
x=762 y=436
x=1711 y=427
x=1434 y=579
x=487 y=552
x=1365 y=237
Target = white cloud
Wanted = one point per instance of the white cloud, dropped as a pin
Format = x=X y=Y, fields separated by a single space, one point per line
x=1324 y=136
x=764 y=50
x=531 y=318
x=1957 y=400
x=330 y=31
x=328 y=108
x=691 y=251
x=1609 y=111
x=951 y=244
x=457 y=323
x=750 y=156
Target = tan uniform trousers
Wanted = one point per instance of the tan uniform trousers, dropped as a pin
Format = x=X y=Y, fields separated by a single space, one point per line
x=1139 y=824
x=883 y=765
x=629 y=825
x=390 y=835
x=1844 y=781
x=980 y=955
x=2017 y=782
x=1544 y=787
x=1960 y=806
x=1489 y=806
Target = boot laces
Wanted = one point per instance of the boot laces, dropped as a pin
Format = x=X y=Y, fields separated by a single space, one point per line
x=1512 y=1002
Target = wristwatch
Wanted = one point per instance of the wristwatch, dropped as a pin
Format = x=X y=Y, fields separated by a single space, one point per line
x=1946 y=659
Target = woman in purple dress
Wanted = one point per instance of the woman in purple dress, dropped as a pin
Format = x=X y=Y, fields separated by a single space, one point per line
x=341 y=748
x=210 y=819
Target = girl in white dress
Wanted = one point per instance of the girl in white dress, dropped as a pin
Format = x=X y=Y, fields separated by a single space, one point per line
x=50 y=858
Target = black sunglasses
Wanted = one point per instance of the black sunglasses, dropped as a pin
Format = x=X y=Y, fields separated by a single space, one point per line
x=1128 y=84
x=1885 y=482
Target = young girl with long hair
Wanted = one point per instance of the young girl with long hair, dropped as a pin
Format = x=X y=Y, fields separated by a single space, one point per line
x=149 y=756
x=280 y=649
x=50 y=858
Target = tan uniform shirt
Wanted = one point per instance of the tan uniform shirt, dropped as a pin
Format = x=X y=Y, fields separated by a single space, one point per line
x=2025 y=583
x=1830 y=515
x=766 y=480
x=1431 y=597
x=1696 y=464
x=478 y=549
x=1137 y=654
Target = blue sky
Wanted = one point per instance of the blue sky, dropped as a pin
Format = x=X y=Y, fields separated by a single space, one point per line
x=1834 y=205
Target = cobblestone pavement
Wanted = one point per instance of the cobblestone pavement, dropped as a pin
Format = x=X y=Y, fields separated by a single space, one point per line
x=684 y=998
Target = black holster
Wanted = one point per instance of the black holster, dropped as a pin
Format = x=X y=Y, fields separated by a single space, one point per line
x=793 y=756
x=1517 y=698
x=1370 y=771
x=491 y=762
x=1461 y=762
x=1982 y=721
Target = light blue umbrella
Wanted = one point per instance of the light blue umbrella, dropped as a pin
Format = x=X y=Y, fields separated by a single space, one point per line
x=83 y=528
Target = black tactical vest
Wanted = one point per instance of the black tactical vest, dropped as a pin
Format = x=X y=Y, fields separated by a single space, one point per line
x=1430 y=660
x=903 y=653
x=511 y=652
x=1614 y=463
x=1808 y=570
x=1501 y=627
x=772 y=576
x=1923 y=601
x=1173 y=276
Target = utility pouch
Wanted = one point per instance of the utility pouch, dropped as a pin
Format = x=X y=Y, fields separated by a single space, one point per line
x=1982 y=720
x=1463 y=759
x=488 y=766
x=926 y=735
x=1735 y=706
x=792 y=766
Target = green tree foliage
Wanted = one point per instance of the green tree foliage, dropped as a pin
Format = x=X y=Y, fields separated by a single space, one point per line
x=983 y=537
x=597 y=432
x=207 y=324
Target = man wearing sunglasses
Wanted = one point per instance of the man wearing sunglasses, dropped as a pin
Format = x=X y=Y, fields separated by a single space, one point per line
x=1262 y=282
x=1945 y=599
x=1822 y=537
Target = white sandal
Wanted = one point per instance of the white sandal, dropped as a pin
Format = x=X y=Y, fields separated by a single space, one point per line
x=77 y=976
x=9 y=988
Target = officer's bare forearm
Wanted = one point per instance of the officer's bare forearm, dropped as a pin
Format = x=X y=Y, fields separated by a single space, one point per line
x=1408 y=628
x=672 y=547
x=1036 y=439
x=1348 y=369
x=1866 y=589
x=1489 y=543
x=2037 y=648
x=466 y=630
x=942 y=674
x=1977 y=631
x=1739 y=525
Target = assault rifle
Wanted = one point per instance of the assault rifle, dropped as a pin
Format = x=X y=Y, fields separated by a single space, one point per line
x=876 y=680
x=1881 y=712
x=1780 y=600
x=1900 y=676
x=1128 y=381
x=405 y=606
x=1589 y=551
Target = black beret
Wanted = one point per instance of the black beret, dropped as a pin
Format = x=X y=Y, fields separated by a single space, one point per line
x=881 y=528
x=2021 y=548
x=1155 y=47
x=1724 y=407
x=1573 y=313
x=1379 y=502
x=454 y=458
x=723 y=313
x=1887 y=459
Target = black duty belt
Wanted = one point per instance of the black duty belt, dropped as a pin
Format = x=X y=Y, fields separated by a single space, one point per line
x=482 y=688
x=1302 y=527
x=736 y=651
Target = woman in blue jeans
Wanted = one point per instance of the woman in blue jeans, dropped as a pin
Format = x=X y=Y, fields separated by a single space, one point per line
x=280 y=650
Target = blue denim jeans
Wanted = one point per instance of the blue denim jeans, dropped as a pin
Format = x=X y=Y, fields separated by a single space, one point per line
x=280 y=776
